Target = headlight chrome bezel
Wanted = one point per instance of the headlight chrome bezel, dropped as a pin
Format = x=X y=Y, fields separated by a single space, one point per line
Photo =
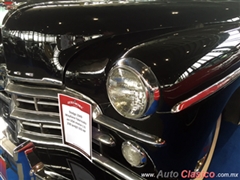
x=149 y=83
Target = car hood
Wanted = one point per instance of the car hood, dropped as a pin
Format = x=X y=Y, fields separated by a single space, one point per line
x=40 y=40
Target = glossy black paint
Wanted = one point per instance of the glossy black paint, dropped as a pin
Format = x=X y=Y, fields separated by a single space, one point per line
x=189 y=61
x=168 y=37
x=105 y=21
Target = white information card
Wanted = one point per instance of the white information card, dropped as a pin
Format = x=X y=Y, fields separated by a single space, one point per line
x=76 y=123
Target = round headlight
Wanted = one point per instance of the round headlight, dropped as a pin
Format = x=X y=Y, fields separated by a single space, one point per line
x=134 y=154
x=132 y=89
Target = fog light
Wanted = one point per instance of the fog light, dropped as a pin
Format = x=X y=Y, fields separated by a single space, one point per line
x=134 y=154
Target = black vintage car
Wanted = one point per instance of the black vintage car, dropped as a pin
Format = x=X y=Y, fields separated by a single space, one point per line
x=117 y=89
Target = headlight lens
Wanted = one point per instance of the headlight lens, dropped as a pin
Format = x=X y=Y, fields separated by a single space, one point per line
x=127 y=93
x=132 y=89
x=134 y=154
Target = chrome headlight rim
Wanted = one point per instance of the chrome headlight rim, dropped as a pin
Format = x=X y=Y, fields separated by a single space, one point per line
x=148 y=80
x=139 y=149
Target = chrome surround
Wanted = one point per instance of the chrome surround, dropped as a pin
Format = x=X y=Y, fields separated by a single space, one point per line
x=140 y=150
x=206 y=92
x=148 y=80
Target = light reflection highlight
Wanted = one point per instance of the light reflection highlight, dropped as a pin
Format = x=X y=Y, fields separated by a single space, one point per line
x=231 y=42
x=3 y=126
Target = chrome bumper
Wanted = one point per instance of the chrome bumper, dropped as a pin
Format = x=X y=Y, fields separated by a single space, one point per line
x=36 y=170
x=40 y=172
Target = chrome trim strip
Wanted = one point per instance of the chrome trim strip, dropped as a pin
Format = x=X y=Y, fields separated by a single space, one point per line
x=54 y=166
x=129 y=131
x=41 y=113
x=39 y=139
x=34 y=117
x=40 y=136
x=51 y=126
x=212 y=148
x=206 y=92
x=49 y=81
x=39 y=92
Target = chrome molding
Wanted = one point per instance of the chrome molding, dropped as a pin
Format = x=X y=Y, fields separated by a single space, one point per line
x=49 y=81
x=206 y=92
x=31 y=116
x=208 y=160
x=37 y=96
x=129 y=131
x=40 y=92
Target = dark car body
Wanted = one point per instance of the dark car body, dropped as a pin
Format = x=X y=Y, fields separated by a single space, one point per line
x=70 y=48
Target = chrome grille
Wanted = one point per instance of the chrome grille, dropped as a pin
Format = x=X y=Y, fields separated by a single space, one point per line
x=36 y=107
x=38 y=115
x=36 y=110
x=37 y=104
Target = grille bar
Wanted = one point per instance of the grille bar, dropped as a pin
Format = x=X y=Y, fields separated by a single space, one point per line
x=26 y=133
x=46 y=93
x=38 y=117
x=39 y=125
x=51 y=126
x=34 y=116
x=37 y=101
